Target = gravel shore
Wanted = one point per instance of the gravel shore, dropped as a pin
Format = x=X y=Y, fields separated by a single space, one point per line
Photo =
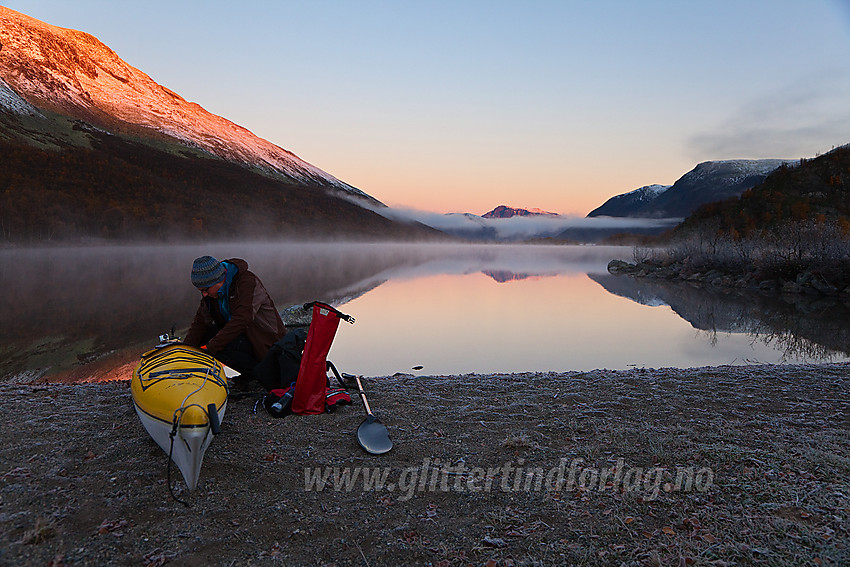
x=732 y=465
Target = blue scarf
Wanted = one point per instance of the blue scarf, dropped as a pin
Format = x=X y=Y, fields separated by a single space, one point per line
x=224 y=292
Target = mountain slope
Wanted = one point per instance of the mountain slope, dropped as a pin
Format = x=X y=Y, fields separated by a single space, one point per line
x=13 y=103
x=815 y=189
x=92 y=148
x=708 y=182
x=626 y=204
x=120 y=189
x=72 y=73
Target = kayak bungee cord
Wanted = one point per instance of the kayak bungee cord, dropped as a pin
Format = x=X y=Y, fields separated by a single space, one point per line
x=178 y=417
x=168 y=474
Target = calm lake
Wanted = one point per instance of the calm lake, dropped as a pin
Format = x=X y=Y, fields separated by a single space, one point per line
x=451 y=309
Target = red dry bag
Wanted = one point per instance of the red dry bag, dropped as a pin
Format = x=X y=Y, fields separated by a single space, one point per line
x=310 y=390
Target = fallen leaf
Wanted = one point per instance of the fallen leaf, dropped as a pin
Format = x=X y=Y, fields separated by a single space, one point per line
x=668 y=530
x=158 y=558
x=112 y=527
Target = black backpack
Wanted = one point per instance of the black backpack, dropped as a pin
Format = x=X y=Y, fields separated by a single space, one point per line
x=280 y=366
x=278 y=371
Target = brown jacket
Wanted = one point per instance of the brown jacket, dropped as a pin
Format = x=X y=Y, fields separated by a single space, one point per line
x=252 y=312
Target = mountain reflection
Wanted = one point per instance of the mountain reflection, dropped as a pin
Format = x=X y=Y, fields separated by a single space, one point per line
x=88 y=310
x=800 y=326
x=70 y=306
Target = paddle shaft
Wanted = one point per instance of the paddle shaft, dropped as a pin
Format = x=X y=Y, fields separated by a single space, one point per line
x=363 y=395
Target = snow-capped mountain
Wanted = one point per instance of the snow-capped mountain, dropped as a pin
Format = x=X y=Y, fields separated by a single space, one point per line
x=623 y=205
x=708 y=182
x=73 y=74
x=505 y=212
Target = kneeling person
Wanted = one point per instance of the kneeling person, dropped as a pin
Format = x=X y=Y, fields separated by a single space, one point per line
x=237 y=320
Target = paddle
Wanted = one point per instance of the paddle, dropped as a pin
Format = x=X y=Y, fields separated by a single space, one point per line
x=372 y=434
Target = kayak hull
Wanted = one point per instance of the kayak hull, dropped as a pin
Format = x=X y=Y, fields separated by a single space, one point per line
x=174 y=389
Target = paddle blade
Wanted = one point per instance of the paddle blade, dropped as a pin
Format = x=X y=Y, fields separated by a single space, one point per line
x=373 y=436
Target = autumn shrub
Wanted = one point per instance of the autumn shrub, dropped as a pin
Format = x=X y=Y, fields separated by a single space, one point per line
x=793 y=247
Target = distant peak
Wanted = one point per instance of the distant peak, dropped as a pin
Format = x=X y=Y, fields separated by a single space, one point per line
x=505 y=212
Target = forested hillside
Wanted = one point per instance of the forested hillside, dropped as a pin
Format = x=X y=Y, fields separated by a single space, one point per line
x=123 y=190
x=815 y=190
x=792 y=233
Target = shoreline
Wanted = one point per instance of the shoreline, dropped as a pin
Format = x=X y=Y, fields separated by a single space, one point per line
x=812 y=281
x=84 y=484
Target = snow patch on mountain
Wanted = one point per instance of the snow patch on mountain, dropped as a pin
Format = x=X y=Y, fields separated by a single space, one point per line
x=741 y=168
x=648 y=192
x=10 y=100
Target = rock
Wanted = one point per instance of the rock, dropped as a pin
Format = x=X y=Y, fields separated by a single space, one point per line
x=619 y=267
x=496 y=542
x=296 y=316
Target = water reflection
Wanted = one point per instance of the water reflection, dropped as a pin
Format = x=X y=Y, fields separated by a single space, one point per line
x=800 y=327
x=451 y=309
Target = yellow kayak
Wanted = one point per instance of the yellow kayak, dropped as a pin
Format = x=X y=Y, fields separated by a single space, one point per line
x=180 y=396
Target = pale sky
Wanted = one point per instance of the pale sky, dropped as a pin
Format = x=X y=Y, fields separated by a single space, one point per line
x=463 y=105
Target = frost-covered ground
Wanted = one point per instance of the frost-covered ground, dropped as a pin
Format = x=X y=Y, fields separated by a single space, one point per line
x=703 y=466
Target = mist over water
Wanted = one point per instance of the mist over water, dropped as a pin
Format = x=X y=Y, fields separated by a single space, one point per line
x=449 y=308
